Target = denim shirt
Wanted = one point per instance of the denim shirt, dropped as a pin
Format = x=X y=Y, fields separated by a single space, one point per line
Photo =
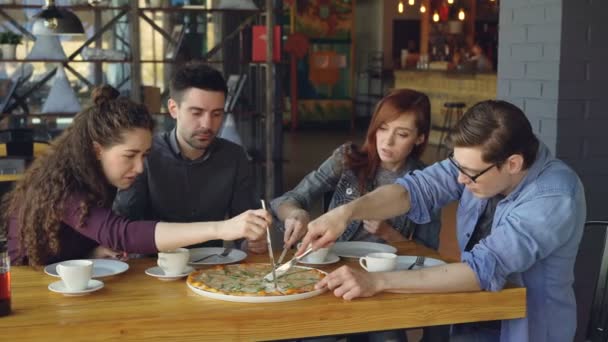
x=331 y=176
x=533 y=243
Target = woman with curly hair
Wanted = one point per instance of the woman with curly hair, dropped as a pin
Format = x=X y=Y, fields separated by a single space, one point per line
x=61 y=209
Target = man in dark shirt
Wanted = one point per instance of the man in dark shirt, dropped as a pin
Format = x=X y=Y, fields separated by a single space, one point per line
x=190 y=174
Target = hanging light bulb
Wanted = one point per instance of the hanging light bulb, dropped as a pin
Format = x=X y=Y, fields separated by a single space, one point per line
x=411 y=2
x=436 y=17
x=450 y=2
x=461 y=15
x=400 y=7
x=422 y=8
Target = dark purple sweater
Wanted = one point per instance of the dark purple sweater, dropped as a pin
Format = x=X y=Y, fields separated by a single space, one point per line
x=101 y=227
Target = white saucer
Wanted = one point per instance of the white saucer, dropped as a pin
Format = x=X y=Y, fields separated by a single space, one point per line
x=235 y=255
x=158 y=272
x=358 y=249
x=101 y=268
x=60 y=287
x=405 y=261
x=331 y=258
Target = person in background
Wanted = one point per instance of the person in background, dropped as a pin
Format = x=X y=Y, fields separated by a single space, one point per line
x=396 y=138
x=190 y=173
x=520 y=220
x=456 y=62
x=481 y=61
x=61 y=209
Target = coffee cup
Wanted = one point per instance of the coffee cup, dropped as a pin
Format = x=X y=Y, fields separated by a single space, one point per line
x=173 y=262
x=317 y=256
x=75 y=274
x=379 y=262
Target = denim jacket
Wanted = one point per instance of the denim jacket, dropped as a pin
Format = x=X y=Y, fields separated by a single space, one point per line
x=332 y=176
x=534 y=240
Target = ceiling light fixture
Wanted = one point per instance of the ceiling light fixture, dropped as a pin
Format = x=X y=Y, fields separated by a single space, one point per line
x=53 y=20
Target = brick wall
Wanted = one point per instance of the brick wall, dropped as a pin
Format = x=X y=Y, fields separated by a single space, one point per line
x=553 y=63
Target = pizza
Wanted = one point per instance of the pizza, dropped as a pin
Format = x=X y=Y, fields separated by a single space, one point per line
x=248 y=280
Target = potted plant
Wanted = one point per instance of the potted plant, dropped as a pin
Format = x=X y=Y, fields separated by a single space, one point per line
x=8 y=44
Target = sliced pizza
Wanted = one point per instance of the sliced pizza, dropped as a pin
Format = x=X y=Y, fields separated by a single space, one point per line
x=248 y=280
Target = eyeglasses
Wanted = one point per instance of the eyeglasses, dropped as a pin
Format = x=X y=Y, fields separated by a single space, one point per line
x=472 y=178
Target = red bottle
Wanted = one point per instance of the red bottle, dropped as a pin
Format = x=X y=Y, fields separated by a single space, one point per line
x=5 y=280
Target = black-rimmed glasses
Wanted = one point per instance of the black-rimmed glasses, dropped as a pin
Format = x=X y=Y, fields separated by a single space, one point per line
x=472 y=178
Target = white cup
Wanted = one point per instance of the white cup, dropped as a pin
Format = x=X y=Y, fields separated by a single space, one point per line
x=379 y=262
x=174 y=262
x=75 y=274
x=317 y=256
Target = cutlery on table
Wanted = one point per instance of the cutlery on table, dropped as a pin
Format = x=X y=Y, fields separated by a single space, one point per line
x=224 y=254
x=281 y=270
x=419 y=262
x=270 y=253
x=285 y=249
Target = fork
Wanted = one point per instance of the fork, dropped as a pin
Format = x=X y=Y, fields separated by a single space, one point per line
x=224 y=254
x=419 y=262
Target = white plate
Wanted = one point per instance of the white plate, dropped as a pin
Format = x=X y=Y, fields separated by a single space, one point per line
x=60 y=287
x=358 y=249
x=405 y=261
x=235 y=255
x=101 y=268
x=331 y=258
x=158 y=272
x=259 y=299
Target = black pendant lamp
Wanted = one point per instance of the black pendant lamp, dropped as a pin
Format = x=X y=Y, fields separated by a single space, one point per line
x=53 y=20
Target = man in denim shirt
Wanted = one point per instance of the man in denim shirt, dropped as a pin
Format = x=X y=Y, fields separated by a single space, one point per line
x=520 y=220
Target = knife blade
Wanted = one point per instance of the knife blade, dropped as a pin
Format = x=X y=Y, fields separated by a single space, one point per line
x=281 y=270
x=285 y=249
x=270 y=253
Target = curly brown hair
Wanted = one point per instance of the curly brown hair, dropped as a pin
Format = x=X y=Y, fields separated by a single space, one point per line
x=70 y=166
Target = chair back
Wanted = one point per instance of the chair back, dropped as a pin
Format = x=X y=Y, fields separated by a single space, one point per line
x=590 y=283
x=19 y=141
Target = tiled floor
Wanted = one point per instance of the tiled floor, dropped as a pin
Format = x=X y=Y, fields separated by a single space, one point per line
x=306 y=150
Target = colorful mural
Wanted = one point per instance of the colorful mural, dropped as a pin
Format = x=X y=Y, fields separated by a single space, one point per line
x=324 y=74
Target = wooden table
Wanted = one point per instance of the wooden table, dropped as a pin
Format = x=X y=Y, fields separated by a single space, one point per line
x=135 y=306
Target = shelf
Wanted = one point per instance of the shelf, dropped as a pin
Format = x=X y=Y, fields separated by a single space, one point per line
x=195 y=9
x=74 y=8
x=171 y=61
x=62 y=61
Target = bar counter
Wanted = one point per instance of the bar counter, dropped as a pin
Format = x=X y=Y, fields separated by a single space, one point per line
x=447 y=86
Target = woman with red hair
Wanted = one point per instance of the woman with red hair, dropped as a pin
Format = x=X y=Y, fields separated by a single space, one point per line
x=397 y=135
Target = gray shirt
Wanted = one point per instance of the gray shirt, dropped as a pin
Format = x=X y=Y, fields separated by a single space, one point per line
x=483 y=227
x=173 y=188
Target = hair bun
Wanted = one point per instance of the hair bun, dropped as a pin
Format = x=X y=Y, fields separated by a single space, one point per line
x=103 y=94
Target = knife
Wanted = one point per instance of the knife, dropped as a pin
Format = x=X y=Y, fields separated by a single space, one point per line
x=270 y=253
x=285 y=249
x=281 y=270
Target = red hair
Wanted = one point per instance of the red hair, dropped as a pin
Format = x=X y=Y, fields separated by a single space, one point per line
x=364 y=161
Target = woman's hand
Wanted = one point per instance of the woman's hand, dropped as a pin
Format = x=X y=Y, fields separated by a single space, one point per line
x=323 y=231
x=257 y=246
x=374 y=227
x=250 y=225
x=101 y=252
x=349 y=283
x=295 y=227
